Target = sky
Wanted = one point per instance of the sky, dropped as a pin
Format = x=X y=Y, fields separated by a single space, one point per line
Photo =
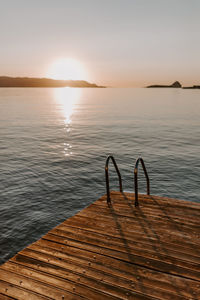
x=128 y=43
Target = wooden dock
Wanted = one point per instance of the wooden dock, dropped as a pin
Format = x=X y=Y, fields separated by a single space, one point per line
x=116 y=252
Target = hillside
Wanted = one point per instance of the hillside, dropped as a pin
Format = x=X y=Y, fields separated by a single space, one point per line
x=6 y=81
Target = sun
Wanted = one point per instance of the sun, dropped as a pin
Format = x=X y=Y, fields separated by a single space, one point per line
x=67 y=69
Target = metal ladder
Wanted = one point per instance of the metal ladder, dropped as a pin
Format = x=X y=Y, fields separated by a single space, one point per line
x=110 y=157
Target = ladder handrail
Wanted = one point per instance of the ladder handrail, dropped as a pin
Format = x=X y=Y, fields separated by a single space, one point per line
x=107 y=177
x=136 y=179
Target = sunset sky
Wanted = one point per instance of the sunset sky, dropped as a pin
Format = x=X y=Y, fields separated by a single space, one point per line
x=117 y=42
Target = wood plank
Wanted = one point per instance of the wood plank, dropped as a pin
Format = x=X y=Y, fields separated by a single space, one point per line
x=116 y=268
x=116 y=252
x=155 y=212
x=152 y=213
x=92 y=288
x=120 y=197
x=140 y=239
x=168 y=265
x=86 y=273
x=17 y=292
x=4 y=297
x=144 y=231
x=63 y=283
x=160 y=234
x=36 y=286
x=149 y=224
x=152 y=250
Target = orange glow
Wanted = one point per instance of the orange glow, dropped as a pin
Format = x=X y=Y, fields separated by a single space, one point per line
x=67 y=69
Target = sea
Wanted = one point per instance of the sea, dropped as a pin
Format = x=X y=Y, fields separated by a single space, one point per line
x=54 y=143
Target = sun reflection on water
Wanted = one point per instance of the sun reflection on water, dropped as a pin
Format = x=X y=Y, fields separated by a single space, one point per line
x=67 y=99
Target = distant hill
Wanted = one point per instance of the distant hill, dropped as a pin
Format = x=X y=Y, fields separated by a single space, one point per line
x=6 y=81
x=176 y=84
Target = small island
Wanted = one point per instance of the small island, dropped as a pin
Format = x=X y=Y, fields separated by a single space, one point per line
x=176 y=84
x=192 y=87
x=6 y=81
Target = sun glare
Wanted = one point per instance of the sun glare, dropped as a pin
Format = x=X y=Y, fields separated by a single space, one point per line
x=67 y=99
x=67 y=69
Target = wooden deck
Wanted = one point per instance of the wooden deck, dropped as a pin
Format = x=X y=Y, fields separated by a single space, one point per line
x=121 y=252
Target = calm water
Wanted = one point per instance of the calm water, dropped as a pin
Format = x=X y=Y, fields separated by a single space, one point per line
x=54 y=142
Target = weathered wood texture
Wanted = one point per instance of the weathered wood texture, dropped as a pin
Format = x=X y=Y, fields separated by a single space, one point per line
x=116 y=252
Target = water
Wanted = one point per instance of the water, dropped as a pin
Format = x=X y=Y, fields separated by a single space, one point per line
x=54 y=142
